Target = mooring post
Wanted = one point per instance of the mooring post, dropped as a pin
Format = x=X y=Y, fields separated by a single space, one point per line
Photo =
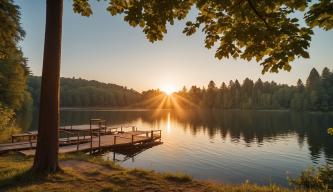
x=99 y=138
x=152 y=135
x=132 y=138
x=30 y=141
x=90 y=136
x=114 y=139
x=78 y=141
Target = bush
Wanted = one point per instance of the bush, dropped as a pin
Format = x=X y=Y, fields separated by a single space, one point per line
x=330 y=131
x=6 y=117
x=319 y=179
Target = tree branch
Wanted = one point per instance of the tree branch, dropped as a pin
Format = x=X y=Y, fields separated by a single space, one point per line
x=257 y=13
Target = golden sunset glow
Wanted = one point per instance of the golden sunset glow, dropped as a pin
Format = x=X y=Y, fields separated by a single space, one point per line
x=168 y=89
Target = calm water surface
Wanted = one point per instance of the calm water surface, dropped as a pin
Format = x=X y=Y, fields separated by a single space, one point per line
x=229 y=146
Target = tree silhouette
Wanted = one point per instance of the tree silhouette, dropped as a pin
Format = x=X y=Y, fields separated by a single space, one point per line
x=246 y=29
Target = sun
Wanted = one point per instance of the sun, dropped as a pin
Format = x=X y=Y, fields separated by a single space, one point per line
x=168 y=89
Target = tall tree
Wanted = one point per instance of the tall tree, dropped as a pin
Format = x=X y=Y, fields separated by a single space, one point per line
x=46 y=157
x=261 y=30
x=312 y=79
x=326 y=73
x=300 y=86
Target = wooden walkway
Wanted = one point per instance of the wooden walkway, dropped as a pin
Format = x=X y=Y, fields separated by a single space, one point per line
x=97 y=143
x=95 y=136
x=31 y=144
x=126 y=139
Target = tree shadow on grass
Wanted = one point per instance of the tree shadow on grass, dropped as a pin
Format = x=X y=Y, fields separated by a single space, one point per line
x=22 y=179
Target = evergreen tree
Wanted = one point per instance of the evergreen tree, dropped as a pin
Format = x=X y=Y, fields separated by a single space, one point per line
x=313 y=79
x=326 y=73
x=300 y=86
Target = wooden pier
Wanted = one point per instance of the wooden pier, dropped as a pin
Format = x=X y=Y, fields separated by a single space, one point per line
x=91 y=139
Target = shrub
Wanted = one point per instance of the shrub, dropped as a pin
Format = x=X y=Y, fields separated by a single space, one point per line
x=177 y=177
x=319 y=179
x=330 y=131
x=6 y=117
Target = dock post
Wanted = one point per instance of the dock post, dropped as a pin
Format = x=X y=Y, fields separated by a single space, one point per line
x=114 y=140
x=132 y=138
x=78 y=141
x=91 y=137
x=99 y=138
x=152 y=135
x=30 y=141
x=91 y=141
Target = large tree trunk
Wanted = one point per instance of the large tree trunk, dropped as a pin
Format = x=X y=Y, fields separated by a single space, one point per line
x=46 y=157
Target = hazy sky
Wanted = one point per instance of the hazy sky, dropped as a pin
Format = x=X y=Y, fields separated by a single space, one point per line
x=107 y=49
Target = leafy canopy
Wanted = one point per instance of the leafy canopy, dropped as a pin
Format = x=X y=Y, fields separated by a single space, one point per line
x=13 y=68
x=10 y=31
x=266 y=31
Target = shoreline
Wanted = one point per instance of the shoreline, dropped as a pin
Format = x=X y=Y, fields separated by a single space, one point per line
x=170 y=109
x=81 y=172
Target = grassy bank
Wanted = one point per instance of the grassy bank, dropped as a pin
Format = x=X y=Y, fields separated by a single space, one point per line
x=85 y=173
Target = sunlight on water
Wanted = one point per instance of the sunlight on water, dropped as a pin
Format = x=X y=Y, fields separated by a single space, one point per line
x=229 y=146
x=168 y=124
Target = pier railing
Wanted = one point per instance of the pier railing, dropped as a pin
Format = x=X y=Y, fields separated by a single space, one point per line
x=151 y=134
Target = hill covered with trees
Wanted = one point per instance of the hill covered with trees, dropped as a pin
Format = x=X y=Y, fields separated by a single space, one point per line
x=84 y=93
x=316 y=94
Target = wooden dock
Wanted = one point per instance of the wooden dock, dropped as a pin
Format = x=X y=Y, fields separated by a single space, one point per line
x=109 y=142
x=91 y=139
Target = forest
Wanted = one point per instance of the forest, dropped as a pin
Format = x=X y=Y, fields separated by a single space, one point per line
x=316 y=94
x=77 y=92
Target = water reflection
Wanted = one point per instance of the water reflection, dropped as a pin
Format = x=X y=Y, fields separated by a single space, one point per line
x=252 y=127
x=130 y=153
x=225 y=145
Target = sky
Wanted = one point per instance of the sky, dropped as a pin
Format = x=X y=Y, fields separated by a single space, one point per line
x=105 y=48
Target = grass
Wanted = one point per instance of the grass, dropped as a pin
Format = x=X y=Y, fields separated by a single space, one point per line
x=88 y=173
x=177 y=177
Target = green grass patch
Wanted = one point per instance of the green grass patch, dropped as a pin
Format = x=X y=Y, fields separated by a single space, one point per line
x=81 y=172
x=90 y=158
x=139 y=172
x=177 y=177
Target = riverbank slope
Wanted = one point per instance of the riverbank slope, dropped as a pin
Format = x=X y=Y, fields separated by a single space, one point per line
x=86 y=173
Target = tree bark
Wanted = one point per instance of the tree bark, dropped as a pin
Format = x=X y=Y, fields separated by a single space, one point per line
x=46 y=157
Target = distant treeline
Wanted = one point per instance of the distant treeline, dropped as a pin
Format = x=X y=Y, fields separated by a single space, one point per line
x=84 y=93
x=315 y=95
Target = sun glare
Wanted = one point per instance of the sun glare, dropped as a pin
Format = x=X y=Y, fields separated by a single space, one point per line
x=169 y=89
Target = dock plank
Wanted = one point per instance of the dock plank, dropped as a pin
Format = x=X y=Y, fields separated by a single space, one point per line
x=107 y=141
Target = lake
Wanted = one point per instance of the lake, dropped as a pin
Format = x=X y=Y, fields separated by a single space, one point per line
x=228 y=146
